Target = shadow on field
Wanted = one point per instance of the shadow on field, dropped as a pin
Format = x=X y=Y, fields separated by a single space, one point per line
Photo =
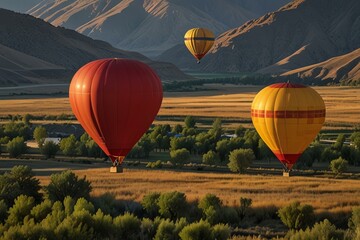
x=48 y=167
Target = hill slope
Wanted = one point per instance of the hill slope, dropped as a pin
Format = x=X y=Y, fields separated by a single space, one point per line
x=345 y=67
x=149 y=26
x=29 y=45
x=301 y=33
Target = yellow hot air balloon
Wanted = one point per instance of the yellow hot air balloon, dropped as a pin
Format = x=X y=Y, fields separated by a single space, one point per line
x=288 y=117
x=199 y=41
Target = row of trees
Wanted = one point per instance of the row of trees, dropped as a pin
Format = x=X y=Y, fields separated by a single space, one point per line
x=64 y=209
x=185 y=141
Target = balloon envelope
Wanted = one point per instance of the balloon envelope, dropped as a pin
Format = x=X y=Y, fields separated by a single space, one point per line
x=288 y=117
x=115 y=100
x=199 y=41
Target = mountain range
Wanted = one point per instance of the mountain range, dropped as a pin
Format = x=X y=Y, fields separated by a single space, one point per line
x=149 y=26
x=302 y=33
x=34 y=51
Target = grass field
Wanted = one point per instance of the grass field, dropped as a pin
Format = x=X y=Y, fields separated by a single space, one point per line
x=333 y=195
x=224 y=101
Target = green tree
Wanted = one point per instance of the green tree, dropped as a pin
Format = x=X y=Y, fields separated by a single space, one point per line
x=150 y=203
x=297 y=216
x=240 y=131
x=339 y=142
x=21 y=208
x=103 y=225
x=166 y=231
x=127 y=227
x=264 y=150
x=355 y=139
x=197 y=230
x=49 y=149
x=211 y=206
x=329 y=154
x=216 y=129
x=19 y=181
x=223 y=148
x=240 y=160
x=67 y=184
x=354 y=221
x=190 y=122
x=16 y=147
x=26 y=118
x=172 y=205
x=17 y=129
x=3 y=211
x=338 y=166
x=40 y=211
x=177 y=128
x=40 y=134
x=69 y=145
x=180 y=156
x=210 y=158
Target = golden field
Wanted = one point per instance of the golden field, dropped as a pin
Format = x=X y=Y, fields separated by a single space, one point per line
x=323 y=193
x=224 y=101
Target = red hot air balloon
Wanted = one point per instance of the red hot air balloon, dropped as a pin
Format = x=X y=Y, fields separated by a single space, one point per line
x=115 y=101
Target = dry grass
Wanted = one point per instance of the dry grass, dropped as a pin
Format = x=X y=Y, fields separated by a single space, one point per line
x=227 y=101
x=324 y=194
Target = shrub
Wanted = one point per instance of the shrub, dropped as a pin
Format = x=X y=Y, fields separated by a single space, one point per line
x=150 y=204
x=127 y=227
x=67 y=184
x=245 y=204
x=338 y=166
x=16 y=147
x=322 y=231
x=4 y=140
x=296 y=216
x=157 y=164
x=229 y=215
x=107 y=203
x=172 y=205
x=240 y=159
x=221 y=231
x=179 y=156
x=49 y=149
x=197 y=230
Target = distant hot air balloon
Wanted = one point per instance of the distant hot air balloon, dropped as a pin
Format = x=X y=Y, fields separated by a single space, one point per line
x=288 y=117
x=199 y=41
x=115 y=100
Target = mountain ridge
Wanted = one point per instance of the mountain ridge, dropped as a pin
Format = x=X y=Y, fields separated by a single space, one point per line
x=30 y=47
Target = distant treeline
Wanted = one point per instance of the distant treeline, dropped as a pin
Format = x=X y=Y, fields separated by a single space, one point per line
x=252 y=79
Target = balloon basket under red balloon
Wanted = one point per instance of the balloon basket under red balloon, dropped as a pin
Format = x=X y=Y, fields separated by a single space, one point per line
x=287 y=174
x=116 y=169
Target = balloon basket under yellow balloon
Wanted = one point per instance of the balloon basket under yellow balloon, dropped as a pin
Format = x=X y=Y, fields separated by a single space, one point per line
x=116 y=169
